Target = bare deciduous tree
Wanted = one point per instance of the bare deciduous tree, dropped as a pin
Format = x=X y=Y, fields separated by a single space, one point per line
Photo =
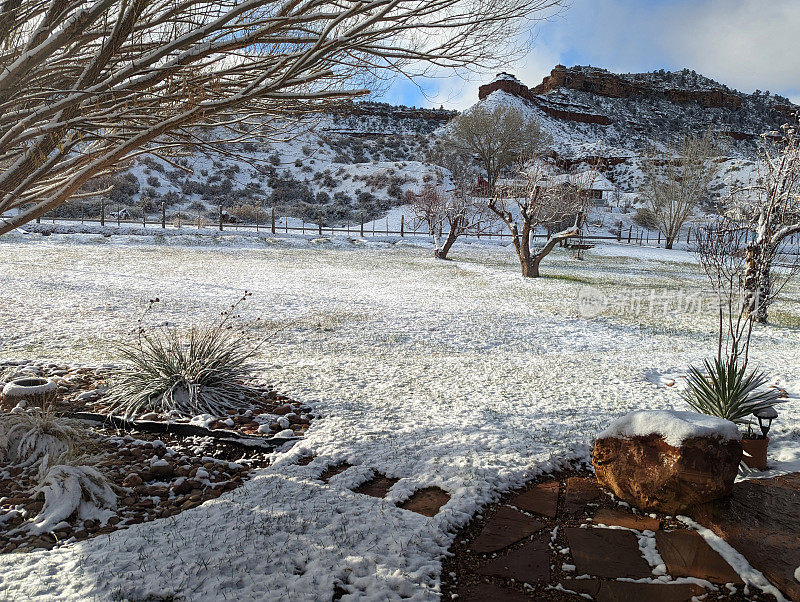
x=450 y=214
x=535 y=202
x=772 y=207
x=87 y=84
x=498 y=135
x=676 y=182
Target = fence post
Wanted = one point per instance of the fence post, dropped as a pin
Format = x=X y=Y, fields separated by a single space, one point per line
x=163 y=215
x=144 y=217
x=688 y=232
x=659 y=238
x=630 y=229
x=362 y=225
x=402 y=225
x=220 y=217
x=118 y=210
x=619 y=234
x=319 y=225
x=102 y=212
x=81 y=213
x=273 y=220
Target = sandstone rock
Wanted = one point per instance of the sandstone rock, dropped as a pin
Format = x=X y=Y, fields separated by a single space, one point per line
x=652 y=475
x=132 y=480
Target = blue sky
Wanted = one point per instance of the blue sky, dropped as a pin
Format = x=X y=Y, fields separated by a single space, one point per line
x=746 y=44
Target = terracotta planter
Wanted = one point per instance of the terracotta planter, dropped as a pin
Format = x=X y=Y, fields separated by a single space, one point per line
x=755 y=453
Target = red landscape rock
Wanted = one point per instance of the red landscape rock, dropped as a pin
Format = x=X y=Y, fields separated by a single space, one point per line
x=617 y=518
x=507 y=526
x=607 y=553
x=377 y=486
x=625 y=591
x=580 y=491
x=541 y=499
x=528 y=564
x=649 y=473
x=426 y=501
x=686 y=554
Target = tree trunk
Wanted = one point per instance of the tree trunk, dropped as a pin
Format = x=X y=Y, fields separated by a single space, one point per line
x=757 y=282
x=530 y=269
x=448 y=243
x=669 y=241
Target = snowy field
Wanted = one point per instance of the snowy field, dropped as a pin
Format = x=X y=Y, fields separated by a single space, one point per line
x=457 y=374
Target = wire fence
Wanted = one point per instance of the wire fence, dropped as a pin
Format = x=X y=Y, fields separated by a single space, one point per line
x=630 y=235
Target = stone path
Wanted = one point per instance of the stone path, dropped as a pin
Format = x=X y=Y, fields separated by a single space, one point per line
x=565 y=539
x=426 y=501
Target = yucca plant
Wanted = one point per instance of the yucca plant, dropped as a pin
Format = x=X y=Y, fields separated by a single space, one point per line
x=200 y=371
x=728 y=390
x=203 y=371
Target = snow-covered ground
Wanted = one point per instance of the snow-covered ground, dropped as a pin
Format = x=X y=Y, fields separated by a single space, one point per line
x=458 y=374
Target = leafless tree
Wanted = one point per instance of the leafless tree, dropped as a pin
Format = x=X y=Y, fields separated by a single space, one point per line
x=86 y=85
x=449 y=214
x=498 y=135
x=676 y=181
x=722 y=250
x=771 y=205
x=536 y=202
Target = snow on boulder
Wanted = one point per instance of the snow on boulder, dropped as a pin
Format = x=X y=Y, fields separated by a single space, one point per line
x=667 y=460
x=673 y=426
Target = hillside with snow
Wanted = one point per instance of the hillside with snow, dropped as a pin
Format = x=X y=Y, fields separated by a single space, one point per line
x=361 y=161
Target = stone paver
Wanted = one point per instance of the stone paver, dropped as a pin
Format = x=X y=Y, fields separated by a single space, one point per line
x=580 y=491
x=541 y=499
x=625 y=591
x=377 y=486
x=487 y=592
x=528 y=564
x=507 y=526
x=607 y=553
x=332 y=471
x=426 y=501
x=687 y=554
x=617 y=518
x=761 y=520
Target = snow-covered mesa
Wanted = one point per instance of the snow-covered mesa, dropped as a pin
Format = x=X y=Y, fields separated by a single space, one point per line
x=675 y=427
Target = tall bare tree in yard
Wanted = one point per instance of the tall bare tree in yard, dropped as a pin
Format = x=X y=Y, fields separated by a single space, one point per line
x=536 y=203
x=497 y=135
x=676 y=182
x=771 y=205
x=86 y=85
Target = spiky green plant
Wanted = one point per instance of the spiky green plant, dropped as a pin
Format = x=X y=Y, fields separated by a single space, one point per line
x=728 y=390
x=201 y=371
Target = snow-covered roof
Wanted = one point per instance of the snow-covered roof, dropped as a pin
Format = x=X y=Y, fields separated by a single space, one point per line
x=674 y=426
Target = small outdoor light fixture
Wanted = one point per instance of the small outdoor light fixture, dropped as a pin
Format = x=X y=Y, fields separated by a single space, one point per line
x=765 y=417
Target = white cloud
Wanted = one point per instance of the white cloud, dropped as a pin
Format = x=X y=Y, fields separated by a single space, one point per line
x=748 y=44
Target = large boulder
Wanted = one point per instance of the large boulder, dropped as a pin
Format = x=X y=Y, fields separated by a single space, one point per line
x=667 y=460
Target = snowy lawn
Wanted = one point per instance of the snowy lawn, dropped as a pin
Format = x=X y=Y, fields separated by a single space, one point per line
x=457 y=374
